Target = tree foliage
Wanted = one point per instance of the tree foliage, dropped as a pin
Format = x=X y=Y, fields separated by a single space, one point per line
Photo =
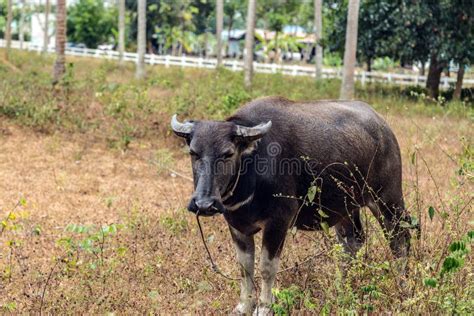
x=89 y=22
x=3 y=16
x=406 y=30
x=441 y=32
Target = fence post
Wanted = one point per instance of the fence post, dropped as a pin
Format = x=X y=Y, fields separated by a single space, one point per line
x=294 y=71
x=200 y=62
x=363 y=78
x=234 y=65
x=417 y=78
x=389 y=77
x=183 y=61
x=167 y=61
x=274 y=68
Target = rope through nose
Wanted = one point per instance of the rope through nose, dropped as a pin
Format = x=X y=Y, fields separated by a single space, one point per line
x=214 y=266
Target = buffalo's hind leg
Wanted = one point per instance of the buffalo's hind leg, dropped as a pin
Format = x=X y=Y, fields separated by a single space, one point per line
x=390 y=212
x=350 y=233
x=390 y=215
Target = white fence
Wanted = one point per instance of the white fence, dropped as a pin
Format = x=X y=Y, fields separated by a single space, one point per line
x=235 y=65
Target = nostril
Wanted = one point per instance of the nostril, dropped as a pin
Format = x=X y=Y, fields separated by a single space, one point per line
x=204 y=205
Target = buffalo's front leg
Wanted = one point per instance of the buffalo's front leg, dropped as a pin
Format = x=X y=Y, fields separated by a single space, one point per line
x=245 y=248
x=272 y=243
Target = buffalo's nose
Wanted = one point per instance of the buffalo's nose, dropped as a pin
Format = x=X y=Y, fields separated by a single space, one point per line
x=204 y=205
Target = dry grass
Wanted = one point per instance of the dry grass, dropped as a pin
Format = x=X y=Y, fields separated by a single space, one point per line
x=155 y=263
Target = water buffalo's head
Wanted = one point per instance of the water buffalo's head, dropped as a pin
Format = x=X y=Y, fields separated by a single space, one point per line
x=216 y=149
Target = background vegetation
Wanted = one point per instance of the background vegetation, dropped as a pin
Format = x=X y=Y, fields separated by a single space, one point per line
x=392 y=35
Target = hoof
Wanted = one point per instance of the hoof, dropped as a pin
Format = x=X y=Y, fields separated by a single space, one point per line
x=262 y=311
x=243 y=309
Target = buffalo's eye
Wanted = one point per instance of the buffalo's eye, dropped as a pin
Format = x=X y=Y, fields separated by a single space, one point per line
x=227 y=154
x=193 y=154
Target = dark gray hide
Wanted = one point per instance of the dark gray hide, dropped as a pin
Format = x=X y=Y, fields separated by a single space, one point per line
x=351 y=155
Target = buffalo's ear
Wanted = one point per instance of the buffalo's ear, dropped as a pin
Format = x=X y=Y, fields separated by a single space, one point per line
x=250 y=134
x=181 y=129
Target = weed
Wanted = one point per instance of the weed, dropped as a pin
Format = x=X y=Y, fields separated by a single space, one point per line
x=164 y=160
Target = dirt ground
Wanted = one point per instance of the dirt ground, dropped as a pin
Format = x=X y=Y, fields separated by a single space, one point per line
x=68 y=178
x=72 y=178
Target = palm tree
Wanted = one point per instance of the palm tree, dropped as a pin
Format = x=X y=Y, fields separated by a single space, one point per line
x=141 y=40
x=21 y=23
x=47 y=8
x=318 y=27
x=281 y=42
x=60 y=64
x=249 y=40
x=121 y=29
x=219 y=27
x=347 y=87
x=8 y=31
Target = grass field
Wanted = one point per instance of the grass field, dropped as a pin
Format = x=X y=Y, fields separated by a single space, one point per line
x=93 y=188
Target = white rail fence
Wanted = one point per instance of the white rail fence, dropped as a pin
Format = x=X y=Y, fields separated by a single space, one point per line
x=236 y=65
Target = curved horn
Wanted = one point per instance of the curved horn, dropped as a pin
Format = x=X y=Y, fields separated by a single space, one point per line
x=255 y=132
x=181 y=129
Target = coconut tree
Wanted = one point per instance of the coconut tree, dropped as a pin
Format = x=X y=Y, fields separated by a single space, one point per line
x=249 y=41
x=318 y=29
x=141 y=40
x=47 y=8
x=121 y=29
x=8 y=31
x=279 y=43
x=347 y=87
x=219 y=27
x=21 y=23
x=60 y=63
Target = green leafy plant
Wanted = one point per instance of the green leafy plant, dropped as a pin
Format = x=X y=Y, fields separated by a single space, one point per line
x=88 y=239
x=286 y=299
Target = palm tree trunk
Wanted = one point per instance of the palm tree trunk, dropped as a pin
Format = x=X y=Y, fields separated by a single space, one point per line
x=47 y=8
x=121 y=29
x=318 y=26
x=60 y=63
x=8 y=30
x=350 y=50
x=229 y=30
x=460 y=77
x=249 y=41
x=277 y=49
x=141 y=41
x=219 y=27
x=173 y=48
x=21 y=23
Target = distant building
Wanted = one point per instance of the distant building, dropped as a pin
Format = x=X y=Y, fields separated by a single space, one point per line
x=38 y=28
x=235 y=42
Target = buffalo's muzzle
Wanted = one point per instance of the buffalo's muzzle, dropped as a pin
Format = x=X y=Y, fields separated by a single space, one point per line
x=206 y=206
